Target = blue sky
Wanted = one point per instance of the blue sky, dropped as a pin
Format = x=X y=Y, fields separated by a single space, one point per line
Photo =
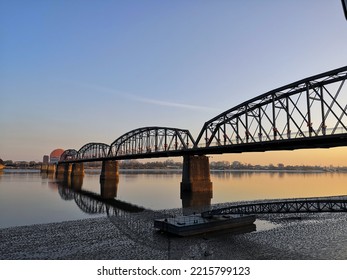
x=73 y=72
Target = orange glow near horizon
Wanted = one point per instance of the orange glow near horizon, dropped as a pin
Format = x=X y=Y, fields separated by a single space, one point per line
x=321 y=157
x=254 y=186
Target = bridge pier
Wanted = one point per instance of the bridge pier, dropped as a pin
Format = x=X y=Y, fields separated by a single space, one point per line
x=77 y=169
x=51 y=168
x=196 y=174
x=63 y=169
x=110 y=170
x=44 y=168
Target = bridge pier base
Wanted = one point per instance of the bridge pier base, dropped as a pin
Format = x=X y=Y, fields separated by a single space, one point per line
x=196 y=174
x=77 y=169
x=110 y=170
x=63 y=169
x=44 y=168
x=196 y=202
x=51 y=168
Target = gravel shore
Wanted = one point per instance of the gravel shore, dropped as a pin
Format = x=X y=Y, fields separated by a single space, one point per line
x=132 y=236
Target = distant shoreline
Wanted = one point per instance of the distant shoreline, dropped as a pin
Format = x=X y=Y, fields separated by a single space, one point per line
x=175 y=170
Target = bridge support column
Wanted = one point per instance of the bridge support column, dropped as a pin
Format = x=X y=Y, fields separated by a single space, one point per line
x=77 y=169
x=64 y=169
x=60 y=169
x=196 y=174
x=44 y=168
x=51 y=168
x=110 y=170
x=196 y=202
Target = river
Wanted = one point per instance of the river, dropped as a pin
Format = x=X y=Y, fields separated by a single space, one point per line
x=28 y=197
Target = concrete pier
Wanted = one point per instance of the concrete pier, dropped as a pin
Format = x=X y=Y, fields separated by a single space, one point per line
x=77 y=169
x=196 y=202
x=44 y=168
x=60 y=169
x=196 y=174
x=64 y=169
x=51 y=168
x=110 y=170
x=48 y=168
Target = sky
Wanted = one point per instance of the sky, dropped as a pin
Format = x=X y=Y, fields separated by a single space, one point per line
x=74 y=72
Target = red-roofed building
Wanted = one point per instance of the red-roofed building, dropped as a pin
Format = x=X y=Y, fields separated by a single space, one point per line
x=54 y=157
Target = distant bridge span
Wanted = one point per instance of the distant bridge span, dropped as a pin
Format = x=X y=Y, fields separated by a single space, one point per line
x=285 y=206
x=310 y=113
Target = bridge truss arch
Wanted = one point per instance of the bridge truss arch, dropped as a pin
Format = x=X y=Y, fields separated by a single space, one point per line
x=70 y=154
x=310 y=108
x=147 y=140
x=93 y=150
x=285 y=206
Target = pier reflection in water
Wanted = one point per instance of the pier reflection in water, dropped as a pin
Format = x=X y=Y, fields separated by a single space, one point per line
x=28 y=197
x=70 y=187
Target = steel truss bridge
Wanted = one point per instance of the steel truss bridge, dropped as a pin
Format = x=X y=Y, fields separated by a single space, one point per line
x=310 y=113
x=287 y=206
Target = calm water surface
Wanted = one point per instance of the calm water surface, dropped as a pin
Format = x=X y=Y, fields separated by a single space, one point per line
x=28 y=197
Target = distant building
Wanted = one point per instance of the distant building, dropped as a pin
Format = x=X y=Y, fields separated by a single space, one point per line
x=54 y=157
x=45 y=159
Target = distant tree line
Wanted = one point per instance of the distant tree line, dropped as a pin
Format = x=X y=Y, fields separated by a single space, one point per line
x=236 y=165
x=134 y=164
x=170 y=164
x=22 y=164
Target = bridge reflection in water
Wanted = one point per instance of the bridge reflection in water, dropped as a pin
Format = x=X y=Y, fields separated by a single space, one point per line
x=71 y=186
x=135 y=222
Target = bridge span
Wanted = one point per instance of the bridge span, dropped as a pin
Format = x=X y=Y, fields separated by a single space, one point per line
x=309 y=113
x=285 y=206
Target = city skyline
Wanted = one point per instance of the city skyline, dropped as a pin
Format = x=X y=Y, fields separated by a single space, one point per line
x=75 y=72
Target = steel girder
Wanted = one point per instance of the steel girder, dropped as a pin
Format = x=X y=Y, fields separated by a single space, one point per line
x=93 y=203
x=89 y=205
x=70 y=154
x=315 y=106
x=93 y=150
x=332 y=204
x=66 y=193
x=151 y=139
x=310 y=113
